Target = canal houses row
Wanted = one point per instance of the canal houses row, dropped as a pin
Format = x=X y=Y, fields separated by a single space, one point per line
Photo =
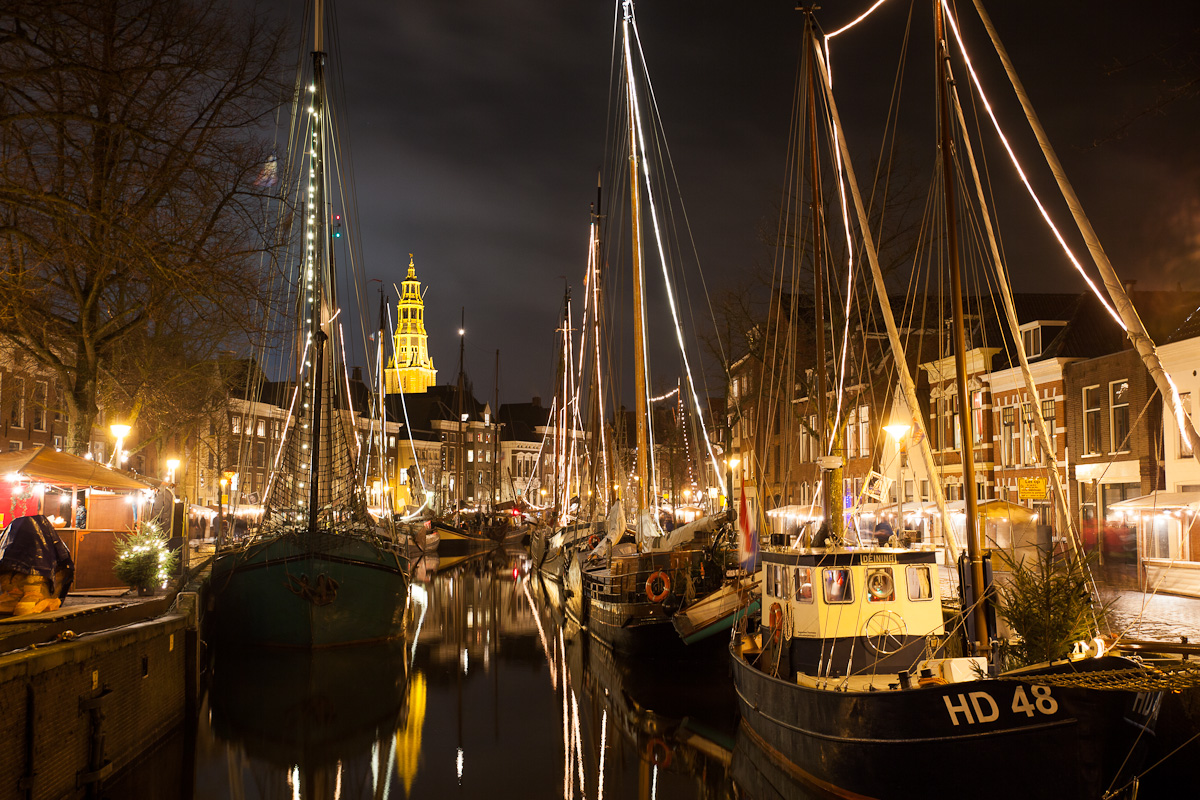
x=1112 y=442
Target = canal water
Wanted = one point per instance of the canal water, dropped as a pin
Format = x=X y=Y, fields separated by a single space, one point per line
x=491 y=694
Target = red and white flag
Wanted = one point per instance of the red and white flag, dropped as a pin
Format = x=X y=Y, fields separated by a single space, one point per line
x=748 y=538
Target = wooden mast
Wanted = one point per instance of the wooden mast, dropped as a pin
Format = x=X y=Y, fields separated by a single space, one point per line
x=318 y=267
x=829 y=507
x=639 y=334
x=982 y=645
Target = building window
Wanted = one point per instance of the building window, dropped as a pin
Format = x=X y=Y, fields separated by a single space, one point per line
x=852 y=434
x=1185 y=404
x=1118 y=396
x=235 y=424
x=16 y=411
x=864 y=431
x=977 y=418
x=1028 y=437
x=39 y=405
x=1048 y=415
x=262 y=427
x=1008 y=435
x=1032 y=339
x=1091 y=421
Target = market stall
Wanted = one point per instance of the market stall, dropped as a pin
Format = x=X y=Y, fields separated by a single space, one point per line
x=91 y=505
x=1167 y=527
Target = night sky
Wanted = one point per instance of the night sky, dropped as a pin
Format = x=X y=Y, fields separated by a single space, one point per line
x=478 y=129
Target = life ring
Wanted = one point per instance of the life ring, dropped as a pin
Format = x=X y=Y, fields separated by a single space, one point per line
x=657 y=753
x=776 y=615
x=658 y=597
x=593 y=541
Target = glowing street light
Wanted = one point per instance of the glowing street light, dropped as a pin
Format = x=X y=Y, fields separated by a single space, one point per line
x=172 y=465
x=898 y=429
x=119 y=432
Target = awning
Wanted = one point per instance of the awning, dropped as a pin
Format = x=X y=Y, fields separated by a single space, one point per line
x=1158 y=501
x=47 y=465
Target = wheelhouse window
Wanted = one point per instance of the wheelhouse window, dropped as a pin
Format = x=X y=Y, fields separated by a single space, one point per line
x=802 y=581
x=920 y=583
x=881 y=588
x=838 y=588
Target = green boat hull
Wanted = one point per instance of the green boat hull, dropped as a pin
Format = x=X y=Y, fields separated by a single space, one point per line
x=307 y=589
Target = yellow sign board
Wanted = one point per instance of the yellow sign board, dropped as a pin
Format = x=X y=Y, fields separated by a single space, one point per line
x=1031 y=488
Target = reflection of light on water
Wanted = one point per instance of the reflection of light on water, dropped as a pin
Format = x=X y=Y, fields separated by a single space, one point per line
x=566 y=729
x=464 y=661
x=578 y=739
x=459 y=765
x=408 y=739
x=603 y=753
x=537 y=618
x=419 y=595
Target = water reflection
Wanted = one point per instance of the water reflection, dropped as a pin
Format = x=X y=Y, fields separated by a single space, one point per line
x=338 y=723
x=490 y=694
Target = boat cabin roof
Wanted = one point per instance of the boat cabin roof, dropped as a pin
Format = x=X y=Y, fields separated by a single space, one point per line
x=850 y=556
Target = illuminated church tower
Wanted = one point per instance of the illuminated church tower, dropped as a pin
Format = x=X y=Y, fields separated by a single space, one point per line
x=411 y=369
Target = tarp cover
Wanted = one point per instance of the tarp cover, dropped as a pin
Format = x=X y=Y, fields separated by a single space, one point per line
x=47 y=465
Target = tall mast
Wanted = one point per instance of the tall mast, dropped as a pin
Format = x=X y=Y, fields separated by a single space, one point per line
x=460 y=470
x=830 y=510
x=639 y=333
x=318 y=269
x=981 y=646
x=496 y=440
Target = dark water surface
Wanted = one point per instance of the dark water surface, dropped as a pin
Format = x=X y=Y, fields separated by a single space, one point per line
x=490 y=695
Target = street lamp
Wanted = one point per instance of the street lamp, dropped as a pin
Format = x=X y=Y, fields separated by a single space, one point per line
x=730 y=465
x=898 y=429
x=119 y=432
x=172 y=465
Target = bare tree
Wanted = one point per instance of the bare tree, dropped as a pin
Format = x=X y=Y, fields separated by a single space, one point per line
x=134 y=220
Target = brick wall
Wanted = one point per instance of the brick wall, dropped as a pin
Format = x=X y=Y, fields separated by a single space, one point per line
x=141 y=666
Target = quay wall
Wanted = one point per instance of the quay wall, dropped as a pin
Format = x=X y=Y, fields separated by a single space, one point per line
x=76 y=712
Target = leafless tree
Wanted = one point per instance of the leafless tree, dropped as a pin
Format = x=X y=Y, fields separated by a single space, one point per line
x=134 y=217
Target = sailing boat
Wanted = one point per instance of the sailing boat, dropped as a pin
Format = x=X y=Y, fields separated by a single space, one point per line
x=625 y=591
x=319 y=571
x=854 y=683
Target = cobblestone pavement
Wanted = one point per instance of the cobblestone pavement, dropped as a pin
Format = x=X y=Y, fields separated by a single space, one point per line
x=1161 y=617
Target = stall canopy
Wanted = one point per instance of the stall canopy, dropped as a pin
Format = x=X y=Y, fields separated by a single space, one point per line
x=47 y=465
x=1159 y=501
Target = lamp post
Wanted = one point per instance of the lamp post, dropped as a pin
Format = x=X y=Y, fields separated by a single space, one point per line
x=119 y=432
x=729 y=467
x=221 y=511
x=898 y=430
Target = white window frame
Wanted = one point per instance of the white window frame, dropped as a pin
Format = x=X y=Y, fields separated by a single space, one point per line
x=1112 y=417
x=1091 y=448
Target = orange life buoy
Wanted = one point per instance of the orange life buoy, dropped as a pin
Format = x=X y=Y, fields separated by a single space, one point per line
x=776 y=615
x=657 y=753
x=659 y=596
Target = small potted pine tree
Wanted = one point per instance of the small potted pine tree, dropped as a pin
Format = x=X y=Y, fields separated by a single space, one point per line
x=144 y=560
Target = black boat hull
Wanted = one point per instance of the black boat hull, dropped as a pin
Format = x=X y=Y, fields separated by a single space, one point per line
x=990 y=738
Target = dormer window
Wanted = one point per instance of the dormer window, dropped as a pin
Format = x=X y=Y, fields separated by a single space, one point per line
x=1036 y=335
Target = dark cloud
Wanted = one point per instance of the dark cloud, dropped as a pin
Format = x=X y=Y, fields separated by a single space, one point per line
x=478 y=129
